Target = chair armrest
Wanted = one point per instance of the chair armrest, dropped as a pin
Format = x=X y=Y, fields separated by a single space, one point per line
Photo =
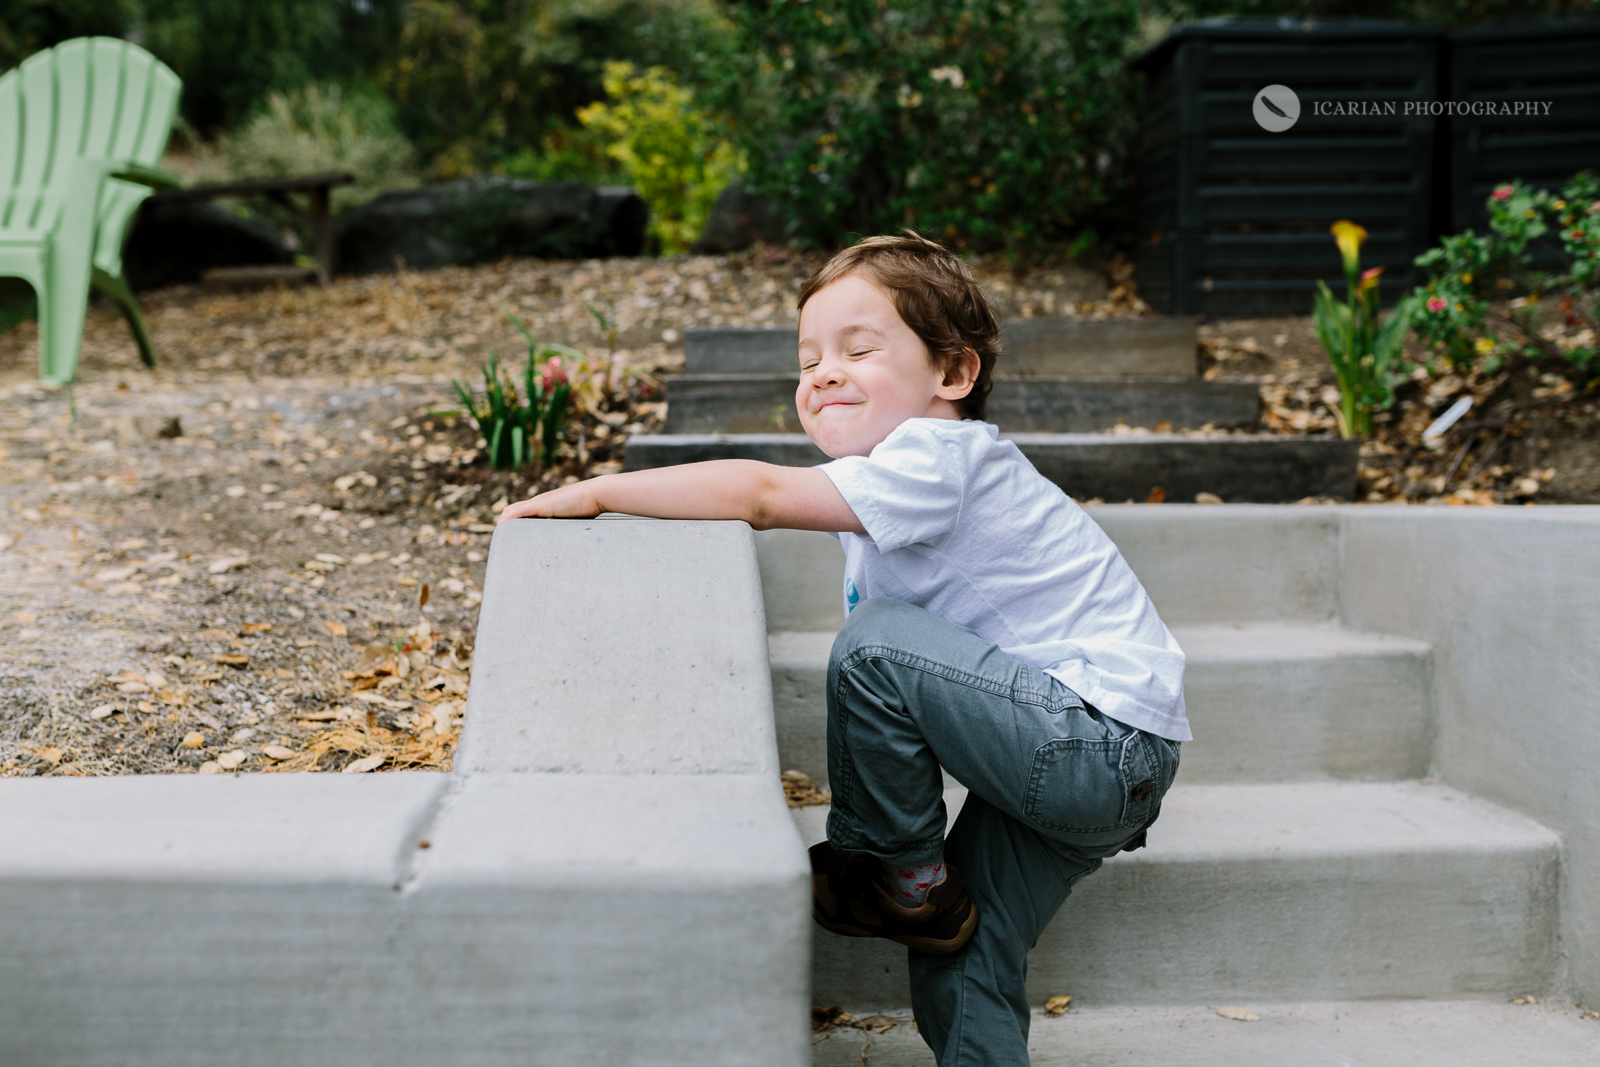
x=154 y=177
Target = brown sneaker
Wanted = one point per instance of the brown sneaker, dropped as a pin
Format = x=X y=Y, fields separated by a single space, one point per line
x=841 y=900
x=849 y=897
x=942 y=923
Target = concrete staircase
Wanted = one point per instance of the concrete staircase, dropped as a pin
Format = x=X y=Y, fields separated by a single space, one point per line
x=1303 y=856
x=1059 y=387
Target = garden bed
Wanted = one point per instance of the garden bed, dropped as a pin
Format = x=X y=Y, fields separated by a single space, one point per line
x=218 y=566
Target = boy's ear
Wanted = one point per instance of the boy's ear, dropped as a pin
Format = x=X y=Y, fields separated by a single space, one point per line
x=962 y=377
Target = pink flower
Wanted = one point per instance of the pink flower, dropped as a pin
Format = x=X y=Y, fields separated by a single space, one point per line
x=554 y=374
x=1437 y=303
x=1501 y=192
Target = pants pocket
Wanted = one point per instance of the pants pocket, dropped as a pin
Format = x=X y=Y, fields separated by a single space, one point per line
x=1090 y=786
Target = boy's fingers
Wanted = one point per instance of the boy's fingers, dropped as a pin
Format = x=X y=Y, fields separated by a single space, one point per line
x=520 y=510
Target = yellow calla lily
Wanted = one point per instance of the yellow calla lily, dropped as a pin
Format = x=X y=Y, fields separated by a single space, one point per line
x=1350 y=238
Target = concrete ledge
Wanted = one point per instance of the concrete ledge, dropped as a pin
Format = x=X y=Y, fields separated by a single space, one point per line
x=1147 y=346
x=597 y=919
x=764 y=403
x=212 y=921
x=620 y=646
x=1281 y=892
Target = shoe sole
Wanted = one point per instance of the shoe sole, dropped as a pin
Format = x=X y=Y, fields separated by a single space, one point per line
x=937 y=946
x=842 y=929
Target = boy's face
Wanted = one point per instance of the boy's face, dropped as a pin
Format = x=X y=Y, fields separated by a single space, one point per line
x=863 y=371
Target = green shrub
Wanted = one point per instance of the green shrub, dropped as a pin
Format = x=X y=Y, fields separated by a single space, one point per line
x=481 y=81
x=985 y=122
x=26 y=26
x=566 y=154
x=231 y=54
x=1469 y=273
x=322 y=128
x=668 y=148
x=522 y=429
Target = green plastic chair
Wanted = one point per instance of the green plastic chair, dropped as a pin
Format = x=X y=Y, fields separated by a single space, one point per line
x=82 y=126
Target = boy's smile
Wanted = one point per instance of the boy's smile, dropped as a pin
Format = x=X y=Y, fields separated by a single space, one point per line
x=863 y=371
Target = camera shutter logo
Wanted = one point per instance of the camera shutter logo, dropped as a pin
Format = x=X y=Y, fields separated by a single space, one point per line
x=1276 y=108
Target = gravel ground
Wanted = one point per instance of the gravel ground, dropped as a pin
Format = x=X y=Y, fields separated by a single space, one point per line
x=268 y=554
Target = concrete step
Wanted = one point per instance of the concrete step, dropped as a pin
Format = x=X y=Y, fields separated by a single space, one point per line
x=764 y=403
x=1151 y=346
x=1307 y=891
x=1269 y=703
x=1407 y=1033
x=1255 y=468
x=1201 y=565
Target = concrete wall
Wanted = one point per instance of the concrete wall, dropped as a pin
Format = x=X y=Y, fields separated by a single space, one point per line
x=1510 y=600
x=609 y=869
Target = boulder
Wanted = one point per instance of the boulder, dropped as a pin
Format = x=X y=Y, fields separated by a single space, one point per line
x=172 y=243
x=480 y=219
x=738 y=220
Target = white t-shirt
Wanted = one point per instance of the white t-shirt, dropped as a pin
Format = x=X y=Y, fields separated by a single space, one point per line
x=959 y=523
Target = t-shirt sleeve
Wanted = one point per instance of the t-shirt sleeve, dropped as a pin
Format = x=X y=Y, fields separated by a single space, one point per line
x=907 y=492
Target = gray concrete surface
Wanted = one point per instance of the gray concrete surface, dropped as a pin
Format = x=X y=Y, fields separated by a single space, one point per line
x=1206 y=565
x=1406 y=1033
x=1240 y=468
x=764 y=403
x=1268 y=703
x=802 y=579
x=1151 y=347
x=186 y=921
x=1297 y=891
x=537 y=912
x=662 y=672
x=581 y=918
x=1510 y=600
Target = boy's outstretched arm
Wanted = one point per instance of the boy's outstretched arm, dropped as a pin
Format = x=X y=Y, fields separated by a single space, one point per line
x=763 y=494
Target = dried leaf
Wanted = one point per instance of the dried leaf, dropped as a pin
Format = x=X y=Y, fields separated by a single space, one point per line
x=229 y=761
x=193 y=739
x=255 y=628
x=369 y=763
x=49 y=755
x=1157 y=495
x=277 y=752
x=230 y=660
x=102 y=711
x=227 y=563
x=1243 y=1015
x=383 y=702
x=422 y=596
x=133 y=687
x=337 y=628
x=1058 y=1005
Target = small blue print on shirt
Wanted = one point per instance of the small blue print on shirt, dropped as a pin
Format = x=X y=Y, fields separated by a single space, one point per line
x=851 y=597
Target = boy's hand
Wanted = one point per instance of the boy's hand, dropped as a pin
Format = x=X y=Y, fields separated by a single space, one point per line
x=575 y=501
x=765 y=496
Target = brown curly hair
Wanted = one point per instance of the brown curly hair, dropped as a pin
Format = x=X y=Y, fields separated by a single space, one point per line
x=935 y=294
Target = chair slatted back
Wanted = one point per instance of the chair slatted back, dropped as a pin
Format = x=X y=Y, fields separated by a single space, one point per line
x=89 y=98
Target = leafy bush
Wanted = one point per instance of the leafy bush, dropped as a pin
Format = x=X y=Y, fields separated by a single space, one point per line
x=668 y=148
x=522 y=430
x=30 y=25
x=1365 y=351
x=322 y=128
x=1468 y=271
x=478 y=81
x=231 y=54
x=986 y=122
x=566 y=155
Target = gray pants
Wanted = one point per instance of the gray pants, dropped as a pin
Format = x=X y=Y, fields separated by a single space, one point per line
x=1054 y=788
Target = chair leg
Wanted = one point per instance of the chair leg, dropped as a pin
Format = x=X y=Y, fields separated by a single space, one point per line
x=117 y=289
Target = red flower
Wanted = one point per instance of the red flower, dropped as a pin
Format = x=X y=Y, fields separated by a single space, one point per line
x=554 y=374
x=1501 y=192
x=1437 y=303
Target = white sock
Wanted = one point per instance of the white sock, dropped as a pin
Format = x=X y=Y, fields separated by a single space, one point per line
x=909 y=884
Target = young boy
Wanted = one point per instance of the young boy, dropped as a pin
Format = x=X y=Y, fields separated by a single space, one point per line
x=991 y=630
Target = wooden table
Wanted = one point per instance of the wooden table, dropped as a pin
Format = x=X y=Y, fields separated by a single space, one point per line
x=316 y=213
